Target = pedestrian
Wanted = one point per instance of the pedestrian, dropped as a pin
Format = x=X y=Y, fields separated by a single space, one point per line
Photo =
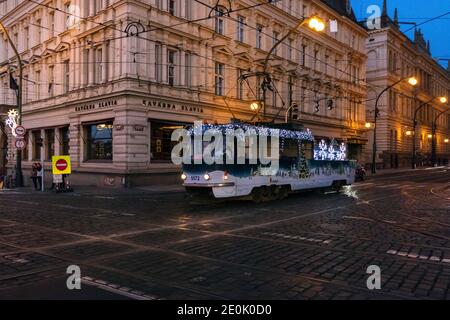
x=36 y=175
x=40 y=173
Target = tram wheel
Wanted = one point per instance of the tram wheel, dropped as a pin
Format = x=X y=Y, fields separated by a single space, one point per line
x=257 y=195
x=283 y=193
x=337 y=186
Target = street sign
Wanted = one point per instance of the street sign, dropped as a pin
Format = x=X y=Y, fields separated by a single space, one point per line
x=57 y=178
x=61 y=165
x=20 y=131
x=20 y=144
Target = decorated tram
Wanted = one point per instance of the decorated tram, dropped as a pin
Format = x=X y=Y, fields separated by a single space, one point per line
x=288 y=159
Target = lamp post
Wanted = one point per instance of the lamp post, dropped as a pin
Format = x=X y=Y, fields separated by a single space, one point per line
x=433 y=132
x=19 y=175
x=314 y=23
x=412 y=81
x=442 y=100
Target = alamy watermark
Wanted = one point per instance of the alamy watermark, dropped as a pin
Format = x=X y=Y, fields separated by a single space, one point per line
x=374 y=19
x=74 y=280
x=212 y=145
x=374 y=280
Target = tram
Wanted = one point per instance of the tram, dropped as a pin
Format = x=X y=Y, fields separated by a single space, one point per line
x=301 y=163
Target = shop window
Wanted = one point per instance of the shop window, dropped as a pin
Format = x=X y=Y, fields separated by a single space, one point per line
x=99 y=141
x=161 y=144
x=50 y=136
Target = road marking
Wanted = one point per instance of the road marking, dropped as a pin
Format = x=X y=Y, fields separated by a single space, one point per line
x=416 y=256
x=285 y=236
x=117 y=289
x=358 y=218
x=359 y=185
x=16 y=260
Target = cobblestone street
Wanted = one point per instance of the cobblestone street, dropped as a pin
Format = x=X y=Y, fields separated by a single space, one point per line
x=158 y=244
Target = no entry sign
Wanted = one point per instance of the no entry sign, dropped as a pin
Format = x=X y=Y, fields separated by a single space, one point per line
x=61 y=165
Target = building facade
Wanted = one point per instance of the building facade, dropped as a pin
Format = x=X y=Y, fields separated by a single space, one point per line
x=108 y=81
x=392 y=56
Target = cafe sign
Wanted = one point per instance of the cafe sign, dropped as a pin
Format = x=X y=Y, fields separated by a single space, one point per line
x=171 y=106
x=96 y=105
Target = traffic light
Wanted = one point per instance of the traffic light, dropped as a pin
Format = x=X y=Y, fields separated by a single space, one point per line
x=330 y=104
x=39 y=142
x=295 y=111
x=317 y=107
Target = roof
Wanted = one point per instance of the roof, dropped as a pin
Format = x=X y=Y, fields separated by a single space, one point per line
x=343 y=7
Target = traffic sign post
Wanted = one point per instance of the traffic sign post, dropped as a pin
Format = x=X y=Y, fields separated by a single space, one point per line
x=61 y=166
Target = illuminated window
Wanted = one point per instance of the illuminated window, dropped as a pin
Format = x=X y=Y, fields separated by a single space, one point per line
x=99 y=142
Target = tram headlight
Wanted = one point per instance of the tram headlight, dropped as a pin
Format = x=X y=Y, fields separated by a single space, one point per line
x=225 y=176
x=206 y=176
x=183 y=176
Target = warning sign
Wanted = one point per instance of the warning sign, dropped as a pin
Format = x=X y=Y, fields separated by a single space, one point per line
x=61 y=165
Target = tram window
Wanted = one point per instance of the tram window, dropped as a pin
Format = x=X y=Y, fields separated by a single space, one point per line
x=290 y=149
x=309 y=150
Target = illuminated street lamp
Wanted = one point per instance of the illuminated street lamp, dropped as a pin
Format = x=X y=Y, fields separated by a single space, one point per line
x=412 y=81
x=314 y=23
x=441 y=100
x=368 y=125
x=408 y=133
x=254 y=106
x=19 y=174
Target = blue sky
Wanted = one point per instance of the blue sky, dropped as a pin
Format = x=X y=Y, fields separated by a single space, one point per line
x=437 y=31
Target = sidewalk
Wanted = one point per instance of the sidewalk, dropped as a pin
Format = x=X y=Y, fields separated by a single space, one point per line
x=384 y=172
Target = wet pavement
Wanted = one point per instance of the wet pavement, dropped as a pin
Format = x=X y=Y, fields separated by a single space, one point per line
x=159 y=244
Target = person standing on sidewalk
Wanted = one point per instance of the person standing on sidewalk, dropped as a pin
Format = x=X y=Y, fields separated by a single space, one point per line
x=36 y=175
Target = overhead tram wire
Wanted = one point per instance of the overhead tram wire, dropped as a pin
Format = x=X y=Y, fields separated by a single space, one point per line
x=427 y=21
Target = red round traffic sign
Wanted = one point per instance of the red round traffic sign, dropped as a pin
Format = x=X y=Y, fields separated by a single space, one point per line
x=61 y=164
x=20 y=130
x=20 y=144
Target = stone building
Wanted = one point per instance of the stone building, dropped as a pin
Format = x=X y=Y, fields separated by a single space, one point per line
x=391 y=57
x=108 y=81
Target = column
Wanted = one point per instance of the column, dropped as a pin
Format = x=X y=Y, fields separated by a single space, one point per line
x=91 y=66
x=105 y=62
x=164 y=63
x=58 y=142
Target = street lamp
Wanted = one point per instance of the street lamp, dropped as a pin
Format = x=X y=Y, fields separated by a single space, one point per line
x=314 y=23
x=19 y=175
x=254 y=106
x=433 y=131
x=413 y=158
x=368 y=125
x=412 y=81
